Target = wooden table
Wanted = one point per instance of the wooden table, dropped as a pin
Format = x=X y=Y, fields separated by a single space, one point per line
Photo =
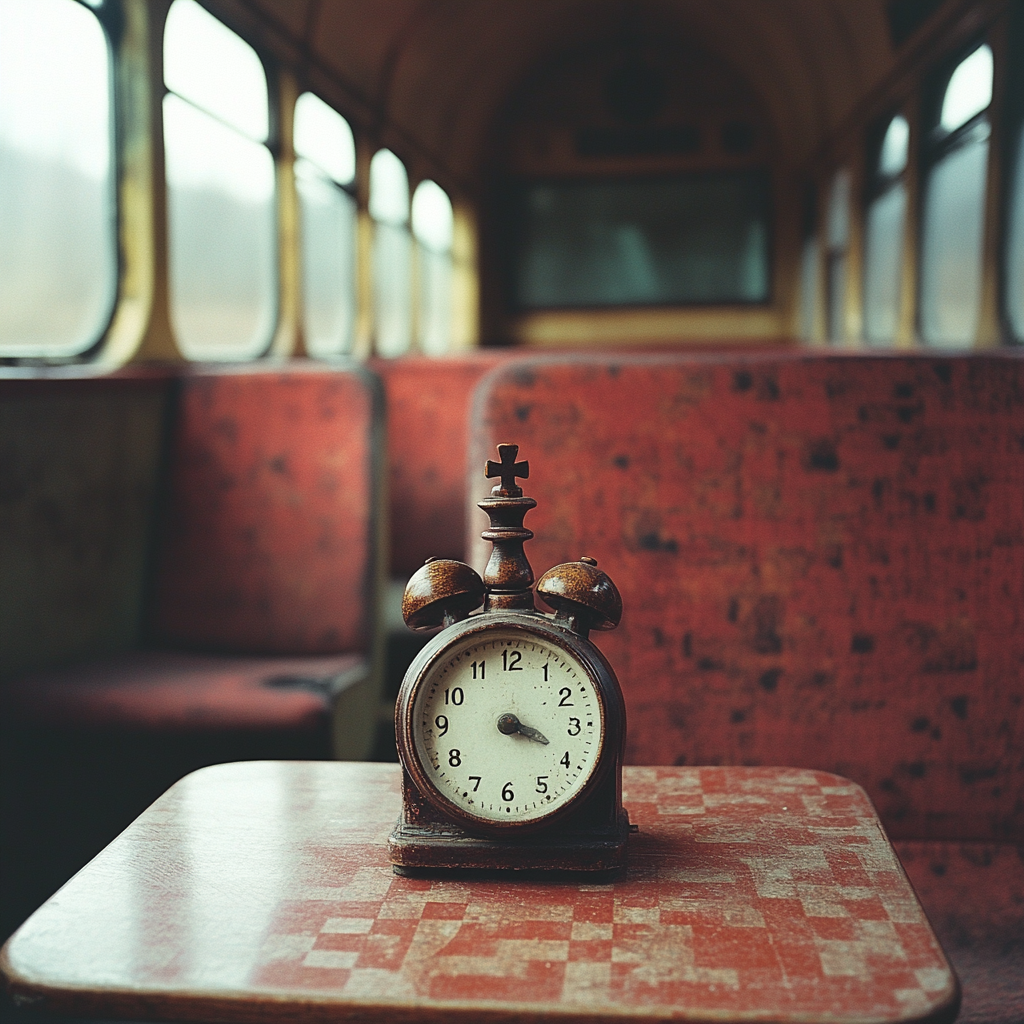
x=262 y=891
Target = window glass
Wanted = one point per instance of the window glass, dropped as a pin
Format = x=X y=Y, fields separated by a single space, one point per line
x=327 y=162
x=893 y=157
x=432 y=225
x=58 y=244
x=222 y=221
x=1015 y=247
x=432 y=217
x=952 y=233
x=392 y=253
x=969 y=91
x=951 y=244
x=328 y=216
x=323 y=136
x=838 y=239
x=389 y=189
x=700 y=238
x=883 y=264
x=809 y=288
x=883 y=230
x=207 y=64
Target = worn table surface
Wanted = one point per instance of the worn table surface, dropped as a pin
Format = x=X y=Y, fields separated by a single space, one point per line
x=262 y=891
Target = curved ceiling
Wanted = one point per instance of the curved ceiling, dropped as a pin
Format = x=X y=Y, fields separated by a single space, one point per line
x=436 y=73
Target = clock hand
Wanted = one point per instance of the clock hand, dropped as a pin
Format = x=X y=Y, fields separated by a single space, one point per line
x=509 y=723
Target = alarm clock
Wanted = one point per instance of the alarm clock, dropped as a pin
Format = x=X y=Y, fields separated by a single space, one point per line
x=510 y=723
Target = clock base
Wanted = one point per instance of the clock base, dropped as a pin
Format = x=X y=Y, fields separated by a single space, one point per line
x=423 y=848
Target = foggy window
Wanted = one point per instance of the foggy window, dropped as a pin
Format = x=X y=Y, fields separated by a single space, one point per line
x=325 y=165
x=392 y=253
x=700 y=238
x=837 y=242
x=432 y=227
x=809 y=260
x=884 y=230
x=221 y=187
x=954 y=207
x=58 y=243
x=1014 y=281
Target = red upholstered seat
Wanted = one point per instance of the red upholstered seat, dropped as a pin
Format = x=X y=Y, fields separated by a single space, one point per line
x=178 y=692
x=260 y=618
x=821 y=561
x=428 y=405
x=268 y=542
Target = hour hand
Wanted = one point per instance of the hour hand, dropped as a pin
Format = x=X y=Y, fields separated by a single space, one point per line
x=533 y=734
x=509 y=724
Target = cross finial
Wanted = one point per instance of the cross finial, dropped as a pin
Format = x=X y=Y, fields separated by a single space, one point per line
x=508 y=469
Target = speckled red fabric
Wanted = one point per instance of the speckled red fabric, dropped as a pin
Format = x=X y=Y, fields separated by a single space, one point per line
x=268 y=541
x=428 y=402
x=821 y=560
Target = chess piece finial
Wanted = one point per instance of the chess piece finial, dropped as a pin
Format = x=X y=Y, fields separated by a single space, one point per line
x=508 y=576
x=508 y=469
x=582 y=596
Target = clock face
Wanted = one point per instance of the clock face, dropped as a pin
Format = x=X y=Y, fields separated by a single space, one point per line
x=507 y=726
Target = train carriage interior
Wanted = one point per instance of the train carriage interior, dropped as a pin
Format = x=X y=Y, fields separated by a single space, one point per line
x=743 y=279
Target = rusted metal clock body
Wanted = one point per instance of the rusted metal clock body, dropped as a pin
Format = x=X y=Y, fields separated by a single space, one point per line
x=510 y=723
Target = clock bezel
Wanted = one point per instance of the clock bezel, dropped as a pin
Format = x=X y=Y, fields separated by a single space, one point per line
x=534 y=626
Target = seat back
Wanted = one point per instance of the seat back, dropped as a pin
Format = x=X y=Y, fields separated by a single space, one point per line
x=821 y=560
x=269 y=545
x=428 y=401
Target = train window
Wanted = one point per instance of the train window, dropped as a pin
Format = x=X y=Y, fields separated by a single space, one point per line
x=954 y=206
x=324 y=170
x=58 y=242
x=432 y=227
x=838 y=242
x=392 y=253
x=1014 y=270
x=694 y=238
x=884 y=229
x=221 y=189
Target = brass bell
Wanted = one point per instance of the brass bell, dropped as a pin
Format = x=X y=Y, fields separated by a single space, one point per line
x=581 y=595
x=440 y=593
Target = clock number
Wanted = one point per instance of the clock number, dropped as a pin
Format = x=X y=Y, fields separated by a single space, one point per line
x=442 y=723
x=545 y=673
x=457 y=696
x=542 y=783
x=506 y=794
x=565 y=693
x=511 y=664
x=475 y=779
x=478 y=665
x=573 y=722
x=455 y=757
x=565 y=760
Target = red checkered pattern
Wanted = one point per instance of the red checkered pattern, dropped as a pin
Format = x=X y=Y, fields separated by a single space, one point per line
x=753 y=893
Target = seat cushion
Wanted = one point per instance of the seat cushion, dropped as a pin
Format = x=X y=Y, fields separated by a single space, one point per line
x=177 y=692
x=973 y=894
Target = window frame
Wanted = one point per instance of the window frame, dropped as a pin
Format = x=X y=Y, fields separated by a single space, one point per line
x=275 y=147
x=351 y=189
x=878 y=184
x=934 y=144
x=110 y=17
x=514 y=191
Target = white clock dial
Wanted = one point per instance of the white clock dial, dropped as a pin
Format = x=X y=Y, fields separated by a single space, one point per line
x=508 y=727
